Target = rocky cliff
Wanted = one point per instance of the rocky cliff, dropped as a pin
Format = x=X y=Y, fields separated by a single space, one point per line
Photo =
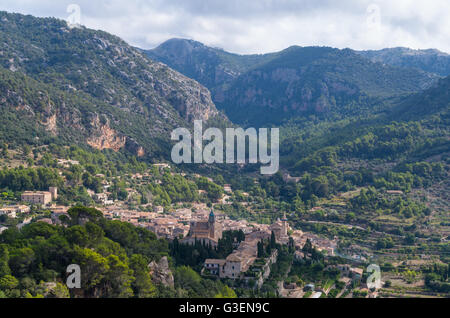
x=296 y=82
x=161 y=273
x=91 y=87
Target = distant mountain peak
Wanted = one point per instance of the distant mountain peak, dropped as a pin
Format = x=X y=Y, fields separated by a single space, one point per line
x=429 y=60
x=181 y=42
x=406 y=50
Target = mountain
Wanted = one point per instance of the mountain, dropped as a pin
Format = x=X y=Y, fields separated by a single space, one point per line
x=433 y=101
x=211 y=67
x=318 y=81
x=431 y=61
x=92 y=87
x=415 y=129
x=296 y=82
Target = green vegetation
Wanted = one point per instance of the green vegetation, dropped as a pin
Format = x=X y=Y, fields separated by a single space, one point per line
x=364 y=162
x=69 y=85
x=113 y=257
x=195 y=255
x=268 y=89
x=21 y=179
x=437 y=278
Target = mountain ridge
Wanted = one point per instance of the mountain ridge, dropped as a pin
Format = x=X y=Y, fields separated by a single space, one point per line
x=429 y=60
x=298 y=81
x=132 y=100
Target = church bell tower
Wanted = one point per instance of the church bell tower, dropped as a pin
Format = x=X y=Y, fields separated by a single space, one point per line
x=212 y=224
x=285 y=225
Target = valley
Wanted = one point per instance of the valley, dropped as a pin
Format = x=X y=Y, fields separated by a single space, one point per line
x=364 y=169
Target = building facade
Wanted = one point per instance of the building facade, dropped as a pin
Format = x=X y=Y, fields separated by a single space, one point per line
x=207 y=232
x=40 y=197
x=280 y=228
x=214 y=266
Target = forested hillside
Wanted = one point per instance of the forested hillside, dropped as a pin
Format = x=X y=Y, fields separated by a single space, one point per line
x=364 y=167
x=69 y=80
x=416 y=127
x=212 y=67
x=297 y=82
x=115 y=258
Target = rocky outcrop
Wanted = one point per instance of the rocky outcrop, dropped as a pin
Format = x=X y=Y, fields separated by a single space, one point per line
x=136 y=102
x=132 y=146
x=51 y=125
x=161 y=273
x=297 y=82
x=190 y=99
x=104 y=137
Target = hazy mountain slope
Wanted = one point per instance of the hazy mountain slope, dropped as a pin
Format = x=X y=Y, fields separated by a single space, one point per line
x=133 y=91
x=316 y=80
x=435 y=100
x=431 y=61
x=297 y=82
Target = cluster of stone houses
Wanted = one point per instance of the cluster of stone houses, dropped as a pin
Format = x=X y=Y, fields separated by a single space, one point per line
x=244 y=264
x=164 y=226
x=347 y=270
x=13 y=211
x=169 y=228
x=102 y=198
x=67 y=163
x=192 y=225
x=43 y=198
x=198 y=226
x=241 y=264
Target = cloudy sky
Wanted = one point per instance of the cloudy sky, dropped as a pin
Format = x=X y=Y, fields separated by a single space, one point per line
x=260 y=26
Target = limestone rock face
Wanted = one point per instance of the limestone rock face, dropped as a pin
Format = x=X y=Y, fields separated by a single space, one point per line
x=51 y=125
x=104 y=137
x=190 y=99
x=161 y=273
x=90 y=87
x=266 y=89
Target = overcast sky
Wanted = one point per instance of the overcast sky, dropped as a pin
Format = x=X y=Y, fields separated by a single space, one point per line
x=261 y=26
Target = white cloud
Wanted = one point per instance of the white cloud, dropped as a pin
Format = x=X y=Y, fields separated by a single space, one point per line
x=259 y=26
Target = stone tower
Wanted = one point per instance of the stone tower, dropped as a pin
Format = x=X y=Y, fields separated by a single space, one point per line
x=54 y=192
x=212 y=224
x=284 y=225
